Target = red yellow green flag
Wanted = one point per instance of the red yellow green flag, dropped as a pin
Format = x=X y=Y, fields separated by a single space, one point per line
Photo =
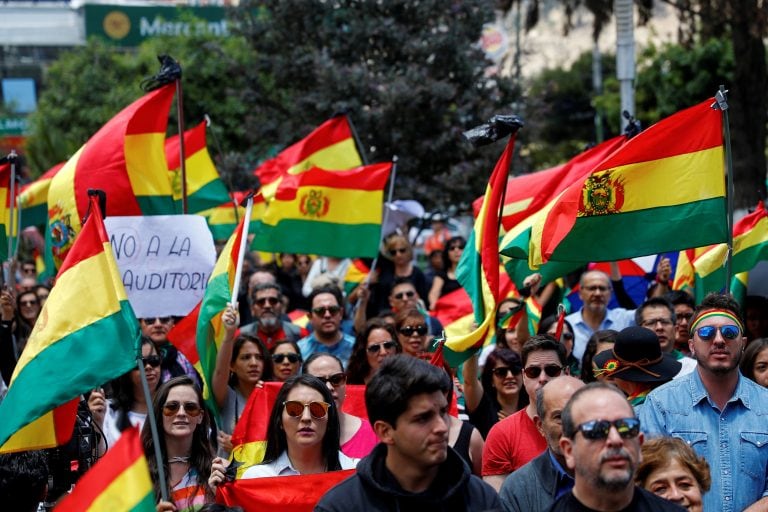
x=87 y=315
x=126 y=159
x=222 y=220
x=356 y=274
x=750 y=245
x=323 y=212
x=330 y=146
x=6 y=229
x=204 y=186
x=33 y=199
x=118 y=482
x=664 y=190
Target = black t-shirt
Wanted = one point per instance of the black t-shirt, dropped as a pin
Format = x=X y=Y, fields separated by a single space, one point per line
x=642 y=501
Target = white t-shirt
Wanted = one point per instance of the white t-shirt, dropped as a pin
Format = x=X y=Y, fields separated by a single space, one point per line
x=282 y=467
x=111 y=432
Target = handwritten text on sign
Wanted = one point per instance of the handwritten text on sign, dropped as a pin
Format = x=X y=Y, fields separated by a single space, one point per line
x=165 y=261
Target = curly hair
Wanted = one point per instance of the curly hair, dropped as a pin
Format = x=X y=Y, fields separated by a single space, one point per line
x=659 y=452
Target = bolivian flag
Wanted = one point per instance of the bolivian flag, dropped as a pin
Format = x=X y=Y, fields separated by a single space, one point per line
x=750 y=245
x=222 y=219
x=6 y=229
x=327 y=213
x=664 y=190
x=87 y=317
x=330 y=146
x=33 y=199
x=204 y=186
x=118 y=482
x=126 y=159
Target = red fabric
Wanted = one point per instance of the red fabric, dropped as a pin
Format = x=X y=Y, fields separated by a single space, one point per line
x=511 y=443
x=298 y=493
x=182 y=335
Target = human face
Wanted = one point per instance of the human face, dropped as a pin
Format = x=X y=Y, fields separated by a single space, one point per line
x=157 y=329
x=540 y=359
x=304 y=431
x=419 y=438
x=325 y=367
x=412 y=342
x=152 y=372
x=659 y=320
x=555 y=397
x=267 y=308
x=400 y=252
x=595 y=291
x=602 y=465
x=718 y=356
x=760 y=368
x=455 y=250
x=378 y=337
x=303 y=263
x=285 y=369
x=683 y=315
x=42 y=296
x=402 y=296
x=180 y=424
x=29 y=306
x=507 y=385
x=326 y=323
x=676 y=483
x=249 y=364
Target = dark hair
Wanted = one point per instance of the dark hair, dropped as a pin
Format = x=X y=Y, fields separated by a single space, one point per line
x=217 y=507
x=398 y=379
x=540 y=343
x=317 y=355
x=276 y=440
x=676 y=297
x=753 y=349
x=23 y=480
x=447 y=251
x=654 y=302
x=20 y=319
x=333 y=290
x=201 y=455
x=510 y=358
x=123 y=397
x=41 y=287
x=719 y=301
x=265 y=286
x=402 y=280
x=286 y=342
x=569 y=428
x=587 y=375
x=358 y=368
x=549 y=321
x=266 y=373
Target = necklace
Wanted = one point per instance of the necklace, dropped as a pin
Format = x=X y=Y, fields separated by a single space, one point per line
x=179 y=460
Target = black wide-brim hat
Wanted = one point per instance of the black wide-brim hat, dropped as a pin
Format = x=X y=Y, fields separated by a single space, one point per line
x=637 y=357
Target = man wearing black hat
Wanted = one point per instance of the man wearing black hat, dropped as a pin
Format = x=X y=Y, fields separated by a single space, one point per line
x=636 y=364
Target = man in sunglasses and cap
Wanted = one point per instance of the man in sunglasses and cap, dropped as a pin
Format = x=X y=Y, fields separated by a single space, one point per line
x=267 y=310
x=720 y=413
x=601 y=444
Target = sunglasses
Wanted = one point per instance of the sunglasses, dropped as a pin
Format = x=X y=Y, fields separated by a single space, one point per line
x=161 y=319
x=552 y=370
x=273 y=301
x=191 y=408
x=708 y=332
x=375 y=349
x=295 y=409
x=292 y=358
x=321 y=311
x=28 y=302
x=336 y=380
x=684 y=316
x=597 y=430
x=596 y=288
x=402 y=295
x=28 y=270
x=454 y=247
x=502 y=371
x=408 y=330
x=401 y=250
x=153 y=361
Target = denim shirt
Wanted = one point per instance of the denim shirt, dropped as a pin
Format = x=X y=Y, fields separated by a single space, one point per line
x=734 y=442
x=342 y=349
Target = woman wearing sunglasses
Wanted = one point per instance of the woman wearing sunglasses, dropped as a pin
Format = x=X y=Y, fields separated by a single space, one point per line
x=373 y=345
x=286 y=359
x=396 y=263
x=184 y=445
x=412 y=331
x=445 y=280
x=357 y=436
x=127 y=407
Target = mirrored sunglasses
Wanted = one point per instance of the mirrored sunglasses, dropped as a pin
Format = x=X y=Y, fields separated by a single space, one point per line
x=708 y=332
x=295 y=409
x=596 y=430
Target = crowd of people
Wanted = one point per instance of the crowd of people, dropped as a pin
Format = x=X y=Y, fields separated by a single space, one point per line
x=654 y=406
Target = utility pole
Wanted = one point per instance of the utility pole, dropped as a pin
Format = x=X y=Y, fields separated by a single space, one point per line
x=625 y=56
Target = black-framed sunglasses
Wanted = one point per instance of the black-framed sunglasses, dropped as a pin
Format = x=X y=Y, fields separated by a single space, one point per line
x=322 y=310
x=398 y=250
x=454 y=247
x=708 y=332
x=295 y=409
x=408 y=330
x=292 y=358
x=552 y=370
x=502 y=371
x=262 y=301
x=161 y=319
x=336 y=380
x=376 y=348
x=401 y=295
x=597 y=430
x=153 y=361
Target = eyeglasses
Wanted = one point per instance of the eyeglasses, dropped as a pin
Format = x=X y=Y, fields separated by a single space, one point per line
x=375 y=349
x=552 y=370
x=596 y=430
x=684 y=316
x=321 y=311
x=502 y=371
x=336 y=380
x=409 y=294
x=295 y=409
x=161 y=319
x=153 y=361
x=708 y=332
x=409 y=330
x=273 y=301
x=191 y=408
x=28 y=302
x=654 y=321
x=292 y=358
x=454 y=247
x=398 y=250
x=596 y=288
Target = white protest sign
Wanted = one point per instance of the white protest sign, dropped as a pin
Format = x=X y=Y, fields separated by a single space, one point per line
x=165 y=261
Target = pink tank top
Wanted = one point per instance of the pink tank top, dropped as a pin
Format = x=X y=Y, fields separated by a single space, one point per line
x=361 y=444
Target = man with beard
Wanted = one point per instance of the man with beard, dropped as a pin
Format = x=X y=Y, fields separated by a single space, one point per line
x=720 y=413
x=267 y=309
x=325 y=316
x=658 y=315
x=601 y=444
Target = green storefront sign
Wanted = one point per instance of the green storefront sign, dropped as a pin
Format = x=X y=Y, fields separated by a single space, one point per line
x=13 y=126
x=129 y=26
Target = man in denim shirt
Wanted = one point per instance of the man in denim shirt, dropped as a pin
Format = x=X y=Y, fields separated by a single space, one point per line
x=720 y=413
